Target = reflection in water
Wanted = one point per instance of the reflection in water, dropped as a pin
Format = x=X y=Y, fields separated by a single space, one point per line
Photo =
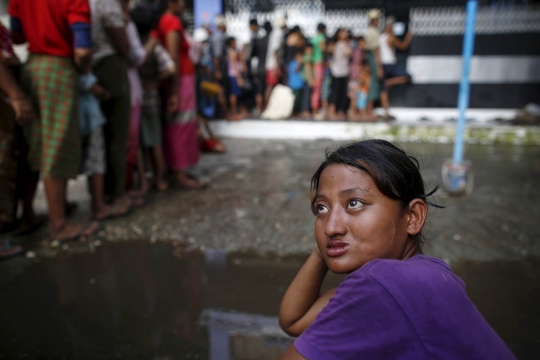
x=243 y=336
x=139 y=300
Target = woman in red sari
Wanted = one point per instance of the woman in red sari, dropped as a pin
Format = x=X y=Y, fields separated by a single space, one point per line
x=180 y=141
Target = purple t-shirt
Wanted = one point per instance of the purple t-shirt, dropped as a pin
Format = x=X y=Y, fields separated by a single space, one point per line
x=411 y=309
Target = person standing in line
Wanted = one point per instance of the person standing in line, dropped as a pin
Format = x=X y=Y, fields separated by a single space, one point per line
x=157 y=67
x=354 y=73
x=296 y=81
x=393 y=75
x=294 y=43
x=236 y=82
x=339 y=69
x=273 y=63
x=372 y=40
x=308 y=77
x=16 y=109
x=319 y=48
x=246 y=51
x=109 y=64
x=258 y=56
x=180 y=141
x=58 y=35
x=217 y=40
x=17 y=181
x=136 y=57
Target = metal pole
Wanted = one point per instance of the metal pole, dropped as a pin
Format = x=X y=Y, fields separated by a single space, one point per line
x=464 y=87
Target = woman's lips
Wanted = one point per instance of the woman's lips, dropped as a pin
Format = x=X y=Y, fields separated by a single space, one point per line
x=336 y=248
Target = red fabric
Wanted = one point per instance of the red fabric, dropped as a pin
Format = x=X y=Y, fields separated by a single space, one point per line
x=169 y=23
x=46 y=23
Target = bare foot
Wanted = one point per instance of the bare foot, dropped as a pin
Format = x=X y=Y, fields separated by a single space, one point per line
x=235 y=117
x=108 y=212
x=162 y=185
x=183 y=181
x=71 y=231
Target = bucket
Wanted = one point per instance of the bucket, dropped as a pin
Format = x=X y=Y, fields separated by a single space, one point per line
x=457 y=178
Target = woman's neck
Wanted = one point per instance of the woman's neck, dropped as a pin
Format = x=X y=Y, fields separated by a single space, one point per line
x=412 y=247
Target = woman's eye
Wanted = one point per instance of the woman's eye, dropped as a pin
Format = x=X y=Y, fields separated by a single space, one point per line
x=354 y=204
x=321 y=209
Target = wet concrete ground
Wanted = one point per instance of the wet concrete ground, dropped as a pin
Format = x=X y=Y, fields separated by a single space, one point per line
x=201 y=274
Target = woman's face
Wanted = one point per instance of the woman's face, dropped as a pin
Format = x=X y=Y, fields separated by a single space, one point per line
x=355 y=222
x=343 y=35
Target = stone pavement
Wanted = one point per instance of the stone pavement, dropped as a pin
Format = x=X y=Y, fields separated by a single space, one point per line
x=258 y=202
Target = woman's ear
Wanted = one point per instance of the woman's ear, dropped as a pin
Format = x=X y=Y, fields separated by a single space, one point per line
x=417 y=216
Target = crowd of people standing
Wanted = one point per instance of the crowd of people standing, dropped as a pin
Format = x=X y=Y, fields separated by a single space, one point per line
x=335 y=78
x=117 y=91
x=109 y=91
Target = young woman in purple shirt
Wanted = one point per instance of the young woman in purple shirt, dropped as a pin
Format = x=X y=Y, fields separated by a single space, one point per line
x=370 y=206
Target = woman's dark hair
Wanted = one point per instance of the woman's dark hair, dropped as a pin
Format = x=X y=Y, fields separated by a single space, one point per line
x=145 y=18
x=229 y=41
x=335 y=38
x=321 y=27
x=396 y=174
x=267 y=27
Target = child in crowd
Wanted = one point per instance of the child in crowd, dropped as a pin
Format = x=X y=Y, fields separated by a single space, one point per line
x=236 y=82
x=93 y=165
x=158 y=66
x=327 y=82
x=296 y=81
x=309 y=80
x=364 y=83
x=354 y=86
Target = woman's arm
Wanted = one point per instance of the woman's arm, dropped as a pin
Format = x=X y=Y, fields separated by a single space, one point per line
x=302 y=301
x=401 y=45
x=24 y=111
x=173 y=46
x=119 y=40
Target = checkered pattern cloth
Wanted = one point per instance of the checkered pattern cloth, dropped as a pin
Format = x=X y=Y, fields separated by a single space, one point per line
x=55 y=138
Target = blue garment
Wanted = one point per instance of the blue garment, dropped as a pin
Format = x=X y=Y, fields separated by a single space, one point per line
x=296 y=81
x=361 y=100
x=90 y=114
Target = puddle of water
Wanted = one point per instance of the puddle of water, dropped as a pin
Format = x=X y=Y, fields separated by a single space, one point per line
x=157 y=301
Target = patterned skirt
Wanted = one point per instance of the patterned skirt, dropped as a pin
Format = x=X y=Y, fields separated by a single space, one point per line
x=8 y=163
x=54 y=139
x=180 y=139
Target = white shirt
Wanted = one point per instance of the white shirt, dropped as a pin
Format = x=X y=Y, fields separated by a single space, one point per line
x=371 y=36
x=105 y=14
x=341 y=59
x=388 y=54
x=136 y=57
x=274 y=43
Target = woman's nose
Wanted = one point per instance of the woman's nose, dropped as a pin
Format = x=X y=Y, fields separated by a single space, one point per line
x=335 y=224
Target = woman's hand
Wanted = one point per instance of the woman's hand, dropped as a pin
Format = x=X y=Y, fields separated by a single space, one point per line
x=24 y=111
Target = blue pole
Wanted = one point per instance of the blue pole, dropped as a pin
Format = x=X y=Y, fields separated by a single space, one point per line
x=464 y=87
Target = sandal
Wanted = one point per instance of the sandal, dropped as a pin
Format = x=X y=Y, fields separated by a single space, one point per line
x=213 y=145
x=7 y=251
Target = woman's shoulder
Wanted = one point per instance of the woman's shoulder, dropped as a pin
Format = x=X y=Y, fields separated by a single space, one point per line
x=418 y=272
x=169 y=22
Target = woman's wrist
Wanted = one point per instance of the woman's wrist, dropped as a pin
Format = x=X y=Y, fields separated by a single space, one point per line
x=17 y=96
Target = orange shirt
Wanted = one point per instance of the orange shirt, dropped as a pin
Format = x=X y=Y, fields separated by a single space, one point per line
x=169 y=23
x=46 y=23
